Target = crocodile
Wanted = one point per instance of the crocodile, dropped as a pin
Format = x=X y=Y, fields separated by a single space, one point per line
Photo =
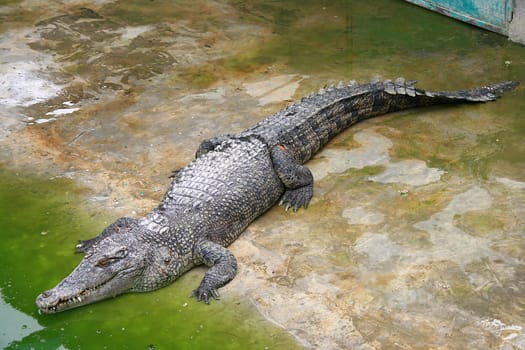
x=233 y=179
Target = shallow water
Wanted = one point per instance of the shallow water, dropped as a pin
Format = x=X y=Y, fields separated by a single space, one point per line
x=41 y=222
x=414 y=238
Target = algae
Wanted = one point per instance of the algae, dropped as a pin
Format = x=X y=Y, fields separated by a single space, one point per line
x=450 y=270
x=42 y=220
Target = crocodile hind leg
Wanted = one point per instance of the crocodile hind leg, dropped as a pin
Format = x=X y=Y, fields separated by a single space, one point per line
x=223 y=267
x=297 y=179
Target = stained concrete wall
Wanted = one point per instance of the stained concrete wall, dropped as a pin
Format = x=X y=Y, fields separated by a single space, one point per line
x=517 y=26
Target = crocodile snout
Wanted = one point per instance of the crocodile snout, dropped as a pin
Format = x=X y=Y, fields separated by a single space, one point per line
x=46 y=300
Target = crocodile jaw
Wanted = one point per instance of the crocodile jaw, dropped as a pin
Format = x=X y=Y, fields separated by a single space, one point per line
x=64 y=296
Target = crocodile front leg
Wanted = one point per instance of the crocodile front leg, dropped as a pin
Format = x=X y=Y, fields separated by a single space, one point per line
x=223 y=267
x=297 y=178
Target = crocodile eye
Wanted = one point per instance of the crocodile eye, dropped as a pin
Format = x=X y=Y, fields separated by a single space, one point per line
x=102 y=262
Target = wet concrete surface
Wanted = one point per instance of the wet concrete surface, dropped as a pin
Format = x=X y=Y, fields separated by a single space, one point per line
x=414 y=238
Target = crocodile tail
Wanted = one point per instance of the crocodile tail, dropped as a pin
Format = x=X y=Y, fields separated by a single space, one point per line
x=387 y=96
x=307 y=125
x=482 y=94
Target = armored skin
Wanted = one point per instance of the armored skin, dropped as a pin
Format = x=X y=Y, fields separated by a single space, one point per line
x=232 y=180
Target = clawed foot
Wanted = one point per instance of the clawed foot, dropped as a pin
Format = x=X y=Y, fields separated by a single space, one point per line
x=203 y=294
x=296 y=198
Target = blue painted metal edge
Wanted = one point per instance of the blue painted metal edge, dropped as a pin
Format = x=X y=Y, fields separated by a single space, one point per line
x=465 y=18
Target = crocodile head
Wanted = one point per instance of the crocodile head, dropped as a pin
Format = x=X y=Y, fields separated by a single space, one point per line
x=113 y=263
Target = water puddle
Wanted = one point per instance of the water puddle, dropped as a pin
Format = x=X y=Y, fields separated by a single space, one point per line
x=374 y=151
x=14 y=324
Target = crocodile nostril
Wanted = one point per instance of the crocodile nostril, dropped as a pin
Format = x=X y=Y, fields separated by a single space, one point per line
x=46 y=294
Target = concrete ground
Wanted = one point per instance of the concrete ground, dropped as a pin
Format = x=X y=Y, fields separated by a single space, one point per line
x=414 y=238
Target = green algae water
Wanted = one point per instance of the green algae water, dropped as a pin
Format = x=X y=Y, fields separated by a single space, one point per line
x=41 y=221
